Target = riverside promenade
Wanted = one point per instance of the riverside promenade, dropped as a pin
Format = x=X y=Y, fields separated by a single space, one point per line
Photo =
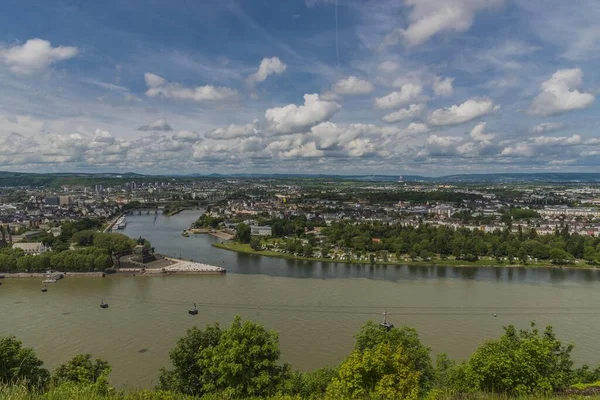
x=168 y=265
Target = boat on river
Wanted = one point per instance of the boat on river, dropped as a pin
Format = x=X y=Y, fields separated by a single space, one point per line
x=49 y=280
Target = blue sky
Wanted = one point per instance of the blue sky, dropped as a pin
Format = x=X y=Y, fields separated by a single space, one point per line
x=427 y=87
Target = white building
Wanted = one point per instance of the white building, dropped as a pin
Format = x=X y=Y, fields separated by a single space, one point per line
x=34 y=249
x=260 y=230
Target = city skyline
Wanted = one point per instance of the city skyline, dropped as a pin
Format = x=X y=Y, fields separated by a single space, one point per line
x=428 y=87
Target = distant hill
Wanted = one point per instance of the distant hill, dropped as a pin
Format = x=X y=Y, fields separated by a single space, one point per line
x=9 y=179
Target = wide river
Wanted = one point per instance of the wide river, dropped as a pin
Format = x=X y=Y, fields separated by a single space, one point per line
x=315 y=307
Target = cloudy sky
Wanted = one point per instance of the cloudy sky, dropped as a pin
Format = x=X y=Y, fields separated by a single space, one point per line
x=427 y=87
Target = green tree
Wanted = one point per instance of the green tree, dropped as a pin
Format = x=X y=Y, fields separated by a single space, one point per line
x=81 y=369
x=243 y=233
x=83 y=238
x=239 y=361
x=255 y=243
x=407 y=338
x=18 y=363
x=187 y=376
x=382 y=371
x=523 y=362
x=244 y=362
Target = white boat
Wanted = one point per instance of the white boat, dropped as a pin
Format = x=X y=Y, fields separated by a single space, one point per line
x=121 y=223
x=49 y=281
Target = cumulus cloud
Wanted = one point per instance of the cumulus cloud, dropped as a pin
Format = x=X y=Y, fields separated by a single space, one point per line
x=560 y=94
x=413 y=111
x=352 y=86
x=233 y=131
x=478 y=133
x=408 y=93
x=443 y=87
x=160 y=124
x=35 y=55
x=467 y=111
x=186 y=136
x=160 y=87
x=308 y=150
x=268 y=66
x=430 y=17
x=517 y=150
x=293 y=118
x=548 y=127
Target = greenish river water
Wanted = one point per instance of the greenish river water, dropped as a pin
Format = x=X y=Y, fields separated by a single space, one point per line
x=315 y=307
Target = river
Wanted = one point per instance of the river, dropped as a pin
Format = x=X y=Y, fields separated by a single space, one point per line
x=315 y=307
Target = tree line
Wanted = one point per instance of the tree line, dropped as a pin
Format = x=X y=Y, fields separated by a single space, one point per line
x=94 y=253
x=427 y=240
x=242 y=362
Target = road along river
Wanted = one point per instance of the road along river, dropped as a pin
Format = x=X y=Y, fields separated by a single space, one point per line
x=315 y=307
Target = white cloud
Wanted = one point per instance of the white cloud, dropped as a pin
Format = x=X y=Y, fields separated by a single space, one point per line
x=308 y=150
x=293 y=118
x=558 y=140
x=22 y=124
x=559 y=94
x=467 y=111
x=478 y=134
x=408 y=93
x=160 y=124
x=517 y=150
x=388 y=67
x=430 y=17
x=443 y=87
x=548 y=127
x=35 y=55
x=186 y=136
x=233 y=131
x=414 y=110
x=160 y=87
x=352 y=86
x=103 y=137
x=268 y=66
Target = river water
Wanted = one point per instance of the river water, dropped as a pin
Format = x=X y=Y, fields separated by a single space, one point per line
x=315 y=307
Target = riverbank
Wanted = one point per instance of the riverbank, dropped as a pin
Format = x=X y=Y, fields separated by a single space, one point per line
x=45 y=275
x=201 y=231
x=246 y=249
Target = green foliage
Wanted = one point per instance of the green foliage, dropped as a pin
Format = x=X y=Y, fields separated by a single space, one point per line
x=82 y=260
x=114 y=242
x=81 y=369
x=255 y=243
x=206 y=221
x=187 y=376
x=384 y=371
x=20 y=364
x=524 y=362
x=239 y=361
x=243 y=233
x=84 y=238
x=244 y=362
x=311 y=384
x=462 y=243
x=372 y=335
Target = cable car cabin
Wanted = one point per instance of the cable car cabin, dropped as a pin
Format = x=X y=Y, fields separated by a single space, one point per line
x=386 y=325
x=193 y=311
x=103 y=304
